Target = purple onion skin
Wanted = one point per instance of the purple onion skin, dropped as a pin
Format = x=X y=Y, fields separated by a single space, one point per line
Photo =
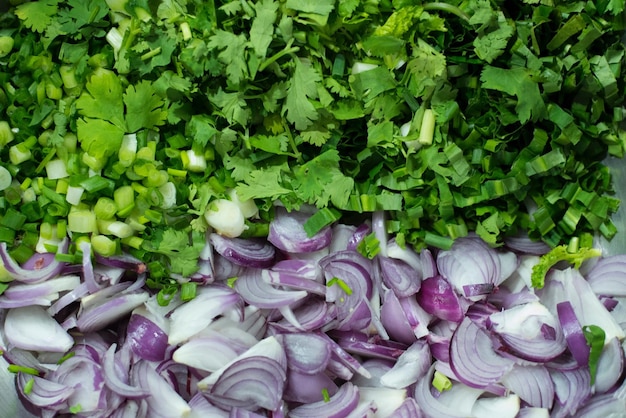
x=437 y=297
x=147 y=340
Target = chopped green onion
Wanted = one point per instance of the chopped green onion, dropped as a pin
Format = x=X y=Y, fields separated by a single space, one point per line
x=188 y=291
x=14 y=368
x=82 y=220
x=325 y=395
x=343 y=285
x=438 y=241
x=441 y=382
x=320 y=219
x=369 y=246
x=13 y=219
x=28 y=387
x=103 y=245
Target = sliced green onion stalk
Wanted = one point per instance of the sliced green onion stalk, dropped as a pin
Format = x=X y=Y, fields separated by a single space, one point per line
x=441 y=382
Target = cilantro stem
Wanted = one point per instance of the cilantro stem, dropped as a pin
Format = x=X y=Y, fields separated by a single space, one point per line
x=288 y=49
x=445 y=7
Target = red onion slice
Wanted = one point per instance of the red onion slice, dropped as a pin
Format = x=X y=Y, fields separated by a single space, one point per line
x=117 y=379
x=306 y=353
x=43 y=268
x=573 y=332
x=411 y=366
x=94 y=317
x=147 y=340
x=530 y=331
x=164 y=401
x=408 y=409
x=43 y=393
x=608 y=276
x=124 y=261
x=429 y=400
x=472 y=356
x=438 y=298
x=293 y=281
x=192 y=317
x=399 y=276
x=256 y=291
x=32 y=328
x=209 y=352
x=610 y=366
x=307 y=388
x=338 y=406
x=532 y=384
x=572 y=389
x=256 y=253
x=251 y=383
x=287 y=233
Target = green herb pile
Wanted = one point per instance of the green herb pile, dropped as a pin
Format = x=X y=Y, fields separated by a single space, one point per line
x=454 y=117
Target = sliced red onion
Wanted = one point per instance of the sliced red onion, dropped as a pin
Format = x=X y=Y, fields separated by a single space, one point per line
x=501 y=406
x=201 y=407
x=570 y=285
x=67 y=299
x=251 y=383
x=43 y=393
x=94 y=317
x=608 y=276
x=209 y=352
x=293 y=281
x=341 y=238
x=258 y=292
x=256 y=253
x=195 y=315
x=164 y=401
x=255 y=379
x=438 y=298
x=306 y=353
x=411 y=366
x=573 y=332
x=523 y=244
x=338 y=406
x=380 y=230
x=361 y=231
x=43 y=289
x=351 y=297
x=123 y=261
x=530 y=331
x=399 y=276
x=610 y=366
x=287 y=233
x=605 y=405
x=225 y=269
x=108 y=274
x=146 y=334
x=116 y=379
x=244 y=413
x=32 y=328
x=344 y=358
x=303 y=268
x=44 y=267
x=307 y=388
x=312 y=315
x=85 y=376
x=434 y=405
x=572 y=389
x=369 y=347
x=408 y=409
x=6 y=303
x=376 y=368
x=88 y=274
x=532 y=384
x=473 y=358
x=395 y=320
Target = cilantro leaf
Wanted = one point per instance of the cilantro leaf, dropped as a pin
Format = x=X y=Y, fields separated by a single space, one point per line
x=320 y=7
x=489 y=45
x=37 y=15
x=98 y=137
x=201 y=128
x=263 y=183
x=103 y=98
x=262 y=29
x=302 y=87
x=144 y=109
x=232 y=106
x=183 y=257
x=517 y=82
x=233 y=48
